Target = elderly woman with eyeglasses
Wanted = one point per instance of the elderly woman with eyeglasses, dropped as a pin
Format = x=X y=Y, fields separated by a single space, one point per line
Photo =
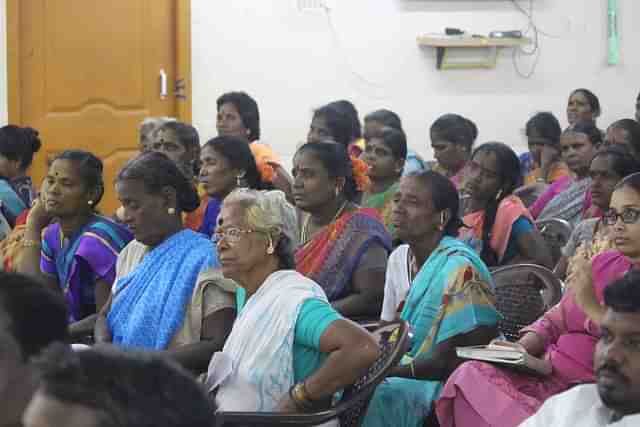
x=289 y=350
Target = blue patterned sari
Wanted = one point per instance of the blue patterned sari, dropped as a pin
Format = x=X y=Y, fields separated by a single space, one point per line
x=149 y=304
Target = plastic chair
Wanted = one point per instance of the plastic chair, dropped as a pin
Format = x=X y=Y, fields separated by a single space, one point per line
x=352 y=406
x=524 y=292
x=556 y=232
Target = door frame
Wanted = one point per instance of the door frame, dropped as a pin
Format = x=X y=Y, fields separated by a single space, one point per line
x=183 y=59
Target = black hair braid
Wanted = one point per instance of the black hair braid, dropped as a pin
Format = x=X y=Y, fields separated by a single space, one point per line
x=488 y=255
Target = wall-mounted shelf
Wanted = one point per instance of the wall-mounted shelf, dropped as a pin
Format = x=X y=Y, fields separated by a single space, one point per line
x=443 y=43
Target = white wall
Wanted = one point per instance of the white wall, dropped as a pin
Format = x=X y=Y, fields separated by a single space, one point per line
x=292 y=61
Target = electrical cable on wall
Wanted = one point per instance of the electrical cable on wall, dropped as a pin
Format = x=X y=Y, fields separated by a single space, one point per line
x=521 y=51
x=345 y=59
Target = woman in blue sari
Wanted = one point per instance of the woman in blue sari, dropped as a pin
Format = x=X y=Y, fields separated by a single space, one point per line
x=76 y=254
x=167 y=296
x=17 y=147
x=442 y=288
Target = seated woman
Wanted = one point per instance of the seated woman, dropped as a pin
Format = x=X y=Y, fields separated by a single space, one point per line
x=384 y=152
x=498 y=226
x=180 y=143
x=343 y=248
x=165 y=297
x=626 y=132
x=375 y=121
x=442 y=288
x=583 y=106
x=226 y=163
x=543 y=136
x=77 y=254
x=564 y=199
x=356 y=145
x=623 y=220
x=238 y=116
x=609 y=166
x=147 y=127
x=329 y=123
x=479 y=394
x=17 y=147
x=289 y=350
x=452 y=138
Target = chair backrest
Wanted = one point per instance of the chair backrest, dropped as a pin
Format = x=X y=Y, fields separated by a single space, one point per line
x=393 y=340
x=556 y=232
x=524 y=292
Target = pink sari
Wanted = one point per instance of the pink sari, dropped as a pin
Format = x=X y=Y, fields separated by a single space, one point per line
x=480 y=394
x=510 y=210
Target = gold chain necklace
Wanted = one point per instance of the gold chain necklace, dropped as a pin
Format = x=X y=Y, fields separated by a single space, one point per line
x=305 y=226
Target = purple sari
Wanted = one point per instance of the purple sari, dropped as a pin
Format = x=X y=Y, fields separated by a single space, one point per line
x=77 y=262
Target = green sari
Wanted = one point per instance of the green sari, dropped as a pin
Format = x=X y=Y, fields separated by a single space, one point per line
x=452 y=294
x=382 y=203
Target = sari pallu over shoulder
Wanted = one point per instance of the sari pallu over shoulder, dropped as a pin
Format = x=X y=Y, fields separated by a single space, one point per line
x=96 y=246
x=260 y=345
x=331 y=256
x=149 y=303
x=451 y=295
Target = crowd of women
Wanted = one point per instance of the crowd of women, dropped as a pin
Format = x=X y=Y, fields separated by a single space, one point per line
x=223 y=261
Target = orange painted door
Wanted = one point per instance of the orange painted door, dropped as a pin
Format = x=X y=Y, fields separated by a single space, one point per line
x=89 y=72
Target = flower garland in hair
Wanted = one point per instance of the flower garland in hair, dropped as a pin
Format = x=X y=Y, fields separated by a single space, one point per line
x=266 y=170
x=360 y=176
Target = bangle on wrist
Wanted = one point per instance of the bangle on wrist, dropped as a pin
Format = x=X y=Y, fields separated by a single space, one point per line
x=300 y=397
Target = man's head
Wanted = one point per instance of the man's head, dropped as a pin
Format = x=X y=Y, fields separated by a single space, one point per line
x=110 y=388
x=31 y=317
x=617 y=356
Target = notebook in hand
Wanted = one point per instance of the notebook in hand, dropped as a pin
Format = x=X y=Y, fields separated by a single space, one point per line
x=506 y=356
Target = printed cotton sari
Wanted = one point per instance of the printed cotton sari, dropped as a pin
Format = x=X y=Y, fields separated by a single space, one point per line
x=148 y=305
x=452 y=294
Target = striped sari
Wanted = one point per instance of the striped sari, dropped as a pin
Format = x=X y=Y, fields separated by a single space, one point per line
x=77 y=262
x=451 y=295
x=332 y=256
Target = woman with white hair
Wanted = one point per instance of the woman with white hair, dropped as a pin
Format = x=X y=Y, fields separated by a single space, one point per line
x=289 y=350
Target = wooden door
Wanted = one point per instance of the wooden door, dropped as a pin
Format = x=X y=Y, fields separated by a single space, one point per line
x=84 y=73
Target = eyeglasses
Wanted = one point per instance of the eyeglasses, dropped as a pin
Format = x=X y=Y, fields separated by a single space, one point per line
x=628 y=216
x=231 y=235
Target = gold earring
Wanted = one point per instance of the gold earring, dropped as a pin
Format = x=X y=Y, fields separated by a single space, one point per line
x=171 y=211
x=90 y=202
x=270 y=248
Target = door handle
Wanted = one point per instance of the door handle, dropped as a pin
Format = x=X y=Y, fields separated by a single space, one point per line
x=163 y=84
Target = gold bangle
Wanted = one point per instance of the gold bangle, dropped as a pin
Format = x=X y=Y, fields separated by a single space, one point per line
x=26 y=243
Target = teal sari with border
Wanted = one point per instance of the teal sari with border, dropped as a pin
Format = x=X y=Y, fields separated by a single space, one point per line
x=452 y=294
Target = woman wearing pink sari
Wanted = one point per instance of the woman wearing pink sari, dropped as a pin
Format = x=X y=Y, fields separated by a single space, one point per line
x=499 y=227
x=479 y=394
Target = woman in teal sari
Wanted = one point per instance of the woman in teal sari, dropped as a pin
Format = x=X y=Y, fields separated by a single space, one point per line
x=442 y=288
